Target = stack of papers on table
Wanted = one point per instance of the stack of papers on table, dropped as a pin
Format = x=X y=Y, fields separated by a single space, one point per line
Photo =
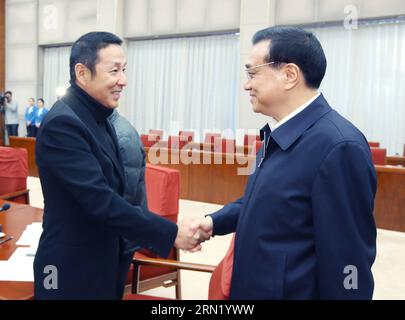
x=19 y=267
x=31 y=235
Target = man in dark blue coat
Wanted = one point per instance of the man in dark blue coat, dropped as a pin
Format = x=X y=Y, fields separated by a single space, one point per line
x=87 y=225
x=304 y=227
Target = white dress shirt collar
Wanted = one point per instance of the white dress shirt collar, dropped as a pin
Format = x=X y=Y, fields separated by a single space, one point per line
x=274 y=124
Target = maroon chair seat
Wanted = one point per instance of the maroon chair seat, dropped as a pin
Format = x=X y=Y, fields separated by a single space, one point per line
x=258 y=145
x=13 y=174
x=148 y=140
x=250 y=140
x=374 y=144
x=225 y=146
x=379 y=156
x=163 y=193
x=212 y=137
x=155 y=132
x=175 y=142
x=187 y=136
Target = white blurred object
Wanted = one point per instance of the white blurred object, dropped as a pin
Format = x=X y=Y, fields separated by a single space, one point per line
x=60 y=92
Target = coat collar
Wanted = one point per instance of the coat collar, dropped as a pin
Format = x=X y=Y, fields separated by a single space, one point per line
x=290 y=131
x=89 y=114
x=98 y=110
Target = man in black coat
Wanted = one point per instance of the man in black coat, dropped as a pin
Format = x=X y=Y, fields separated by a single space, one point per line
x=87 y=223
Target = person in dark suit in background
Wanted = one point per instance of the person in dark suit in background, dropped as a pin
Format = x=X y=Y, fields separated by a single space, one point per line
x=304 y=227
x=87 y=223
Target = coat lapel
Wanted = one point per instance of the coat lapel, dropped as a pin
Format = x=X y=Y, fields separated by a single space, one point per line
x=84 y=114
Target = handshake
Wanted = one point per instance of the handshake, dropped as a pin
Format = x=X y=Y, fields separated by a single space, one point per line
x=192 y=232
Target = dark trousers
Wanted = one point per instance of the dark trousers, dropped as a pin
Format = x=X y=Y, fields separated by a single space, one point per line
x=31 y=131
x=12 y=129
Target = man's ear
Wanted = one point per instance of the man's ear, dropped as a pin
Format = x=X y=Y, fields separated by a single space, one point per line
x=291 y=75
x=82 y=74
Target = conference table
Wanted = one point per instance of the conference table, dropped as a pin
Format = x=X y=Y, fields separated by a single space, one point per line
x=14 y=221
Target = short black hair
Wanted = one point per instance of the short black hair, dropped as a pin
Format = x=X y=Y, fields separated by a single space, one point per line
x=295 y=45
x=9 y=92
x=85 y=50
x=40 y=99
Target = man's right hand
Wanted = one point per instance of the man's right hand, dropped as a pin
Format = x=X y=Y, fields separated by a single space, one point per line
x=192 y=232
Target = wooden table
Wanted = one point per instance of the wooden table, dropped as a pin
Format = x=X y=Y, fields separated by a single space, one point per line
x=14 y=221
x=389 y=204
x=396 y=161
x=206 y=176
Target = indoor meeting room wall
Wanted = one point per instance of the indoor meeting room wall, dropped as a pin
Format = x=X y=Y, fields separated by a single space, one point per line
x=32 y=25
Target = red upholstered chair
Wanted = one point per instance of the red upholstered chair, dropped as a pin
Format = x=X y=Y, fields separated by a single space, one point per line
x=211 y=137
x=258 y=145
x=176 y=143
x=249 y=139
x=374 y=144
x=163 y=192
x=148 y=140
x=155 y=132
x=379 y=156
x=225 y=146
x=187 y=136
x=13 y=174
x=220 y=282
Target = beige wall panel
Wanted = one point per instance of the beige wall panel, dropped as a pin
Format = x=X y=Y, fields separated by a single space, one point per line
x=293 y=11
x=136 y=18
x=255 y=12
x=192 y=15
x=224 y=14
x=379 y=8
x=335 y=10
x=163 y=16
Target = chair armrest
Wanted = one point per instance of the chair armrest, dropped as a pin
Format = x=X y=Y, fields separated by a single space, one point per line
x=13 y=195
x=174 y=264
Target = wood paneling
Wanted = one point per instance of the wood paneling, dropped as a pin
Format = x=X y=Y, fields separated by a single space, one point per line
x=212 y=180
x=29 y=144
x=396 y=161
x=205 y=176
x=389 y=206
x=220 y=184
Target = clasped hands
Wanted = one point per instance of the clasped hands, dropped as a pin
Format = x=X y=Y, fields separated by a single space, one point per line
x=192 y=232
